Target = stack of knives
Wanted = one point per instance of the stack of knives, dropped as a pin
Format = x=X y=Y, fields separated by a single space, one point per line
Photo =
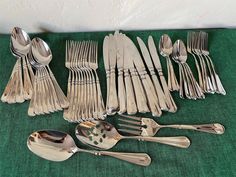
x=139 y=89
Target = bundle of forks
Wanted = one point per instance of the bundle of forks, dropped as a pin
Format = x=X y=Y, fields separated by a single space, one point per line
x=197 y=46
x=83 y=91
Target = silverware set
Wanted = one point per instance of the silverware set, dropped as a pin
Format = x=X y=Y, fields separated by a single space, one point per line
x=19 y=87
x=83 y=91
x=197 y=46
x=139 y=86
x=47 y=95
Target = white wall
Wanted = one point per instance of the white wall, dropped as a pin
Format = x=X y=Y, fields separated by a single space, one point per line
x=97 y=15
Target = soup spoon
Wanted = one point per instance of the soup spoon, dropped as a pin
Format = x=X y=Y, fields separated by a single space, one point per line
x=59 y=146
x=103 y=135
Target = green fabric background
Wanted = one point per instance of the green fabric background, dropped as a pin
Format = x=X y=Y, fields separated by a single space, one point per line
x=209 y=155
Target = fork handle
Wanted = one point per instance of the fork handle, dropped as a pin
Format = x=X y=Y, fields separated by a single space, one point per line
x=214 y=128
x=177 y=141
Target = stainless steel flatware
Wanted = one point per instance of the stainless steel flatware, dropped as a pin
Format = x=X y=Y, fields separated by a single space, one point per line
x=103 y=135
x=165 y=49
x=155 y=58
x=189 y=87
x=19 y=87
x=47 y=95
x=148 y=127
x=59 y=146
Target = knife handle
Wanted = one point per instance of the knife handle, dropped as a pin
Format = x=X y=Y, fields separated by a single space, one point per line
x=121 y=91
x=160 y=94
x=152 y=102
x=112 y=98
x=108 y=89
x=169 y=100
x=131 y=104
x=139 y=92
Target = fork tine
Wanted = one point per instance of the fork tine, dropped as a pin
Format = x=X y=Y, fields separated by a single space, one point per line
x=134 y=132
x=130 y=126
x=132 y=117
x=130 y=121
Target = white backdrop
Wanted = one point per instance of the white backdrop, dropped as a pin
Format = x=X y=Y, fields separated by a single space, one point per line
x=97 y=15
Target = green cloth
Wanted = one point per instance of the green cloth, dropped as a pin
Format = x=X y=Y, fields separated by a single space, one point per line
x=209 y=155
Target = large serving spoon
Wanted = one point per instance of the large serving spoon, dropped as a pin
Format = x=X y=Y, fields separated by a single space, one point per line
x=103 y=135
x=59 y=146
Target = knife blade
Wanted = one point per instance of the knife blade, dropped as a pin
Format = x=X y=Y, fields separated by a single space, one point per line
x=156 y=60
x=148 y=61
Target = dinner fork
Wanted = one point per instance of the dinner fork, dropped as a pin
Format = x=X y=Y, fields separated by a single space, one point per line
x=148 y=127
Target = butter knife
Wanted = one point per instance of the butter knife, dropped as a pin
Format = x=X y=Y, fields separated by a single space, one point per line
x=156 y=60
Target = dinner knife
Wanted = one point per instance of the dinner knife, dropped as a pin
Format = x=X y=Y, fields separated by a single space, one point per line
x=120 y=67
x=140 y=95
x=107 y=67
x=112 y=98
x=147 y=83
x=156 y=60
x=130 y=97
x=148 y=61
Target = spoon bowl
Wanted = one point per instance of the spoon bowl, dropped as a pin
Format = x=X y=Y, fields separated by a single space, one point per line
x=52 y=145
x=165 y=45
x=41 y=51
x=179 y=52
x=97 y=134
x=20 y=41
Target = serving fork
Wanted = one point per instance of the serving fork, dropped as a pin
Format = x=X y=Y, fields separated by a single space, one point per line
x=148 y=127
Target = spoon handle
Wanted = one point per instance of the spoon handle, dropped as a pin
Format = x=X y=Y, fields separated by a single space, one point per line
x=142 y=159
x=214 y=128
x=177 y=141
